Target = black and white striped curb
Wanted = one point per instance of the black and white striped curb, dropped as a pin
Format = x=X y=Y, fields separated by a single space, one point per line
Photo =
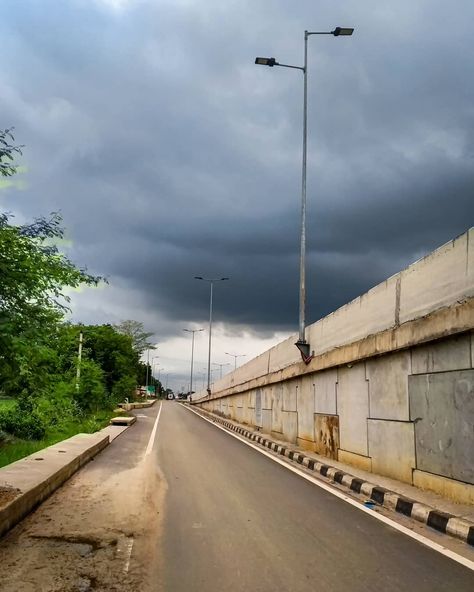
x=440 y=521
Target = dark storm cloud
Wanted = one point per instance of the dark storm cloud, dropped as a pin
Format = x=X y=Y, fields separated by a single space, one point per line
x=171 y=155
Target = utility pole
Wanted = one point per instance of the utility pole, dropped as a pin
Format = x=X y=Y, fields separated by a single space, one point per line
x=79 y=358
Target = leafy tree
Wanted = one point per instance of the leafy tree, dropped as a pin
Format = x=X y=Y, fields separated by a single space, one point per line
x=135 y=330
x=114 y=353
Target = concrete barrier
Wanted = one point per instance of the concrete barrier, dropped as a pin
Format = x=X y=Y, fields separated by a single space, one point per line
x=391 y=386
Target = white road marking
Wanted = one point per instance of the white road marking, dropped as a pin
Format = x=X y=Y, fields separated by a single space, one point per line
x=151 y=441
x=418 y=537
x=128 y=554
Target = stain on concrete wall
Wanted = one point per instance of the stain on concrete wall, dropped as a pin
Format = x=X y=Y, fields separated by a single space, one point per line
x=326 y=429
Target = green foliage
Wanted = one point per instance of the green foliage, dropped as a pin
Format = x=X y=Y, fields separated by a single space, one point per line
x=138 y=335
x=29 y=426
x=7 y=153
x=38 y=350
x=91 y=394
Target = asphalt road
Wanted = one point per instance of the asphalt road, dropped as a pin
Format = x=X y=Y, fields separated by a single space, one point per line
x=235 y=520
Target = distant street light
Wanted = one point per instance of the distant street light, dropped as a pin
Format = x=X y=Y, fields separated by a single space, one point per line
x=192 y=356
x=302 y=344
x=211 y=282
x=221 y=366
x=235 y=356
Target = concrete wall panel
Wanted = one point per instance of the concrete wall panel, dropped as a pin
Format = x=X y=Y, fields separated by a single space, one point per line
x=267 y=393
x=267 y=420
x=284 y=354
x=388 y=386
x=442 y=406
x=442 y=356
x=368 y=314
x=256 y=367
x=437 y=280
x=305 y=405
x=290 y=425
x=277 y=417
x=289 y=395
x=353 y=408
x=392 y=448
x=325 y=392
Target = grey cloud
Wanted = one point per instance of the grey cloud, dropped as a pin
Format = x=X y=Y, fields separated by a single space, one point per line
x=170 y=154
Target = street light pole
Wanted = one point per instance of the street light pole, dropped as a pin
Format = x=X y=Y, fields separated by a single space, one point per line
x=193 y=331
x=235 y=356
x=221 y=366
x=302 y=344
x=211 y=282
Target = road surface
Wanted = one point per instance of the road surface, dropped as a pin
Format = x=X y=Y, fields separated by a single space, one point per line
x=180 y=505
x=235 y=520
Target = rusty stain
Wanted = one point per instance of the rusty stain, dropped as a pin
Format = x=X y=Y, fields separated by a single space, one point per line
x=326 y=429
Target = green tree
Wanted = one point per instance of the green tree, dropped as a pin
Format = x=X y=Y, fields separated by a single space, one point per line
x=115 y=355
x=136 y=331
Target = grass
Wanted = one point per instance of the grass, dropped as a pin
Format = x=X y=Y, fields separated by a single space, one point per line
x=13 y=449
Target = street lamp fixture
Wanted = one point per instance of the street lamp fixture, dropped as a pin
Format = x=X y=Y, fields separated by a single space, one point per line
x=302 y=344
x=193 y=331
x=211 y=281
x=235 y=356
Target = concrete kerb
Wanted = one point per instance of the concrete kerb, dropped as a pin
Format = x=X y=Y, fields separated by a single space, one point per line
x=440 y=521
x=26 y=483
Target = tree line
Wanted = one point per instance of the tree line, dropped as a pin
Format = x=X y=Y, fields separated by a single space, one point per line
x=38 y=348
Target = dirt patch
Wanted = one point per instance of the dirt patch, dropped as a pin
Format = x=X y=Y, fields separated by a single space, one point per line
x=7 y=494
x=98 y=532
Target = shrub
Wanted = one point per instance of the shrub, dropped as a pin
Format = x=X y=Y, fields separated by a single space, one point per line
x=26 y=426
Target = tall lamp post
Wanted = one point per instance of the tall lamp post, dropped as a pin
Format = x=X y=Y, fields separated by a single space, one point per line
x=302 y=344
x=193 y=331
x=211 y=282
x=221 y=366
x=235 y=356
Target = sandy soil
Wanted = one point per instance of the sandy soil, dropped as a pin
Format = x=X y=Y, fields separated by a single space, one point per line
x=98 y=532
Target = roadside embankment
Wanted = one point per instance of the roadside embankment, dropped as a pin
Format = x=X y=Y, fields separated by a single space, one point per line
x=25 y=483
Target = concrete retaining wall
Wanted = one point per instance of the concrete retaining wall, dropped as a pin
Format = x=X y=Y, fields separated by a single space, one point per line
x=391 y=386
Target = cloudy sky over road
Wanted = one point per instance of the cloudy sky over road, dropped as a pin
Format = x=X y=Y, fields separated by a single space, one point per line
x=170 y=154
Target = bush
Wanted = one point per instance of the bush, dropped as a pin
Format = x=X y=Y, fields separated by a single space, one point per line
x=124 y=387
x=26 y=426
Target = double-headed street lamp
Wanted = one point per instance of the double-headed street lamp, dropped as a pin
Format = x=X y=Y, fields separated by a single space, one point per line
x=192 y=357
x=211 y=282
x=302 y=344
x=235 y=356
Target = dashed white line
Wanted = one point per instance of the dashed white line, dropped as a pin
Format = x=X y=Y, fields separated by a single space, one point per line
x=418 y=537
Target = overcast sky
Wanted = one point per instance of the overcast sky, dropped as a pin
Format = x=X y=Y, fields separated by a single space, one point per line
x=170 y=154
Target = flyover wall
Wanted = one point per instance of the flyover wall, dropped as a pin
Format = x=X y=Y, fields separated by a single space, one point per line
x=391 y=386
